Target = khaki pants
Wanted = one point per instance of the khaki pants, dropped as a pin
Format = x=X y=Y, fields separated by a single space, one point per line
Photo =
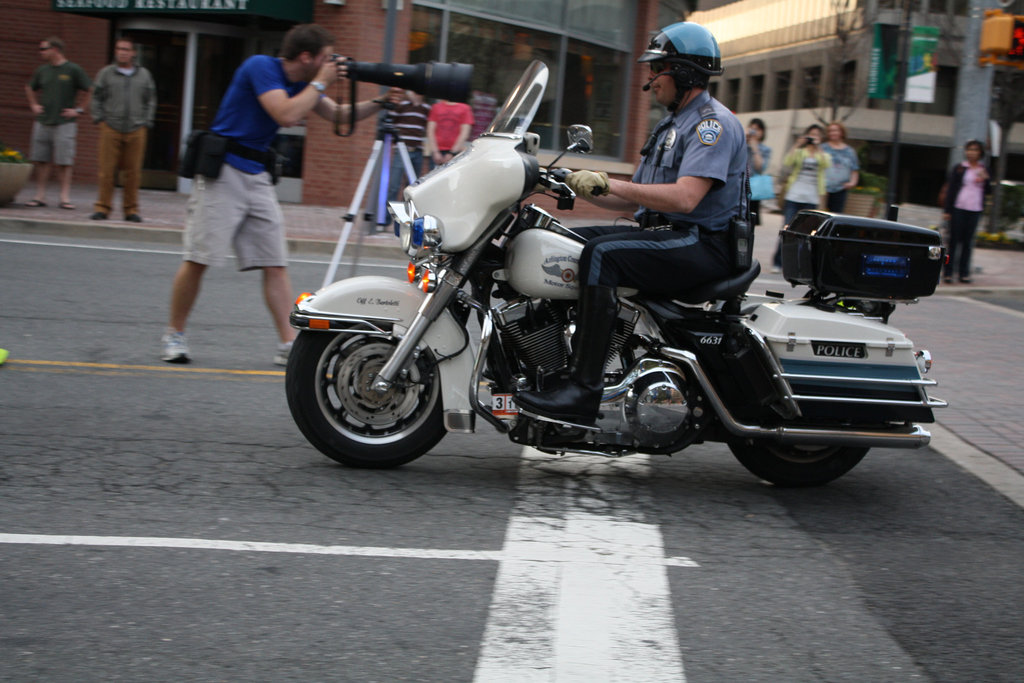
x=124 y=152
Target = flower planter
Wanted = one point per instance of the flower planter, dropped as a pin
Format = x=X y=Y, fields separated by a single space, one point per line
x=12 y=178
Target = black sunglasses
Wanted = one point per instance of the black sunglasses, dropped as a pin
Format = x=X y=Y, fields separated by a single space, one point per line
x=658 y=67
x=41 y=49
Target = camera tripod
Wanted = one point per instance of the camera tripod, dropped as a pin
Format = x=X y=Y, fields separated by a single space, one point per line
x=377 y=171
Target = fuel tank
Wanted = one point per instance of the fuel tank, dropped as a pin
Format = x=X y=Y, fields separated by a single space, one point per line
x=545 y=264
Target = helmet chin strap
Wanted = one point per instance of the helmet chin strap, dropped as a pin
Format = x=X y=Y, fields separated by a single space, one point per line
x=683 y=87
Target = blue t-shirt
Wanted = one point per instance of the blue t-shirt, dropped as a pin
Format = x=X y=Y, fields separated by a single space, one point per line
x=242 y=117
x=844 y=163
x=704 y=140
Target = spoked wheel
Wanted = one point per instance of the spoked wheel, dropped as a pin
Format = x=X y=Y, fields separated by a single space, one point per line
x=329 y=383
x=787 y=465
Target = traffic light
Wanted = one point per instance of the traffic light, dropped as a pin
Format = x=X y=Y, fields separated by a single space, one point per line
x=1002 y=39
x=1016 y=50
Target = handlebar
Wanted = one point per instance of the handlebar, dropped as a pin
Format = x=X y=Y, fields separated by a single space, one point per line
x=554 y=179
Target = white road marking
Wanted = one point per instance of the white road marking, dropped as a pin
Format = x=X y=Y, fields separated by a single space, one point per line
x=177 y=252
x=603 y=615
x=988 y=468
x=538 y=554
x=582 y=589
x=994 y=307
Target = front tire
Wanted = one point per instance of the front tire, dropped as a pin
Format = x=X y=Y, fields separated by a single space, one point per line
x=796 y=466
x=328 y=383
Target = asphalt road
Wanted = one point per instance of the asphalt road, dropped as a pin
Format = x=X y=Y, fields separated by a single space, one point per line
x=170 y=523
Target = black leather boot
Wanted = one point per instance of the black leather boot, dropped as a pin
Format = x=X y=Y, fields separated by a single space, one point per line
x=578 y=399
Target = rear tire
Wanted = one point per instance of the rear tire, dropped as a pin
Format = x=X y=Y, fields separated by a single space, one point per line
x=328 y=382
x=796 y=466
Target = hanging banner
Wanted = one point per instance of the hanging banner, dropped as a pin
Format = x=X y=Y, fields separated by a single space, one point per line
x=882 y=74
x=921 y=68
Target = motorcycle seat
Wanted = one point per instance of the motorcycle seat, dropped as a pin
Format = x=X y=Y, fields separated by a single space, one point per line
x=717 y=290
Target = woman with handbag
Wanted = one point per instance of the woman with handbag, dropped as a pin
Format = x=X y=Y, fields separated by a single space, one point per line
x=759 y=155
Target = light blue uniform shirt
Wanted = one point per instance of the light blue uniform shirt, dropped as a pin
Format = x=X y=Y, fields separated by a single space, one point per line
x=703 y=140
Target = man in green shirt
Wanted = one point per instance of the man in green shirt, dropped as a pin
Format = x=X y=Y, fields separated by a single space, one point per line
x=52 y=95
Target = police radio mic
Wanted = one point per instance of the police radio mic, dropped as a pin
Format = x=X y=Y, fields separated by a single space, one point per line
x=648 y=85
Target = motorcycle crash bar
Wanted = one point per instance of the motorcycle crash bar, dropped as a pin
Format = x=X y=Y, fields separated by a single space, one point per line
x=912 y=436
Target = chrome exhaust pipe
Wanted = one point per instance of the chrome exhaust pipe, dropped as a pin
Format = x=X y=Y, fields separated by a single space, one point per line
x=912 y=436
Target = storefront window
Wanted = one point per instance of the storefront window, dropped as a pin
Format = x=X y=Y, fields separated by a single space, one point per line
x=499 y=53
x=543 y=12
x=595 y=80
x=610 y=23
x=590 y=59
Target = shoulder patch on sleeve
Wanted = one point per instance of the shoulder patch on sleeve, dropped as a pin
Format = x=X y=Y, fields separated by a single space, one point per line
x=708 y=131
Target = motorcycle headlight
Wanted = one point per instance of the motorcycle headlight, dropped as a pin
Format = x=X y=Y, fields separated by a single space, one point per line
x=422 y=234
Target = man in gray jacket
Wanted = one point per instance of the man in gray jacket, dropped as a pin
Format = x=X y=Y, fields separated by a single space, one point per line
x=124 y=106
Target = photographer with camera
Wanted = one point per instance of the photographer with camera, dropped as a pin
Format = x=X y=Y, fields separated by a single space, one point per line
x=233 y=203
x=804 y=188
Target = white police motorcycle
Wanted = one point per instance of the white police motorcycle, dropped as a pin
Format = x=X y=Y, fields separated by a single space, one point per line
x=798 y=389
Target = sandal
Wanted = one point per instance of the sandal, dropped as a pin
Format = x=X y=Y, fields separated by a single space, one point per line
x=35 y=203
x=67 y=205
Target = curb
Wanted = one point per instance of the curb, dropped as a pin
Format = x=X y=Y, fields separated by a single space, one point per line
x=375 y=247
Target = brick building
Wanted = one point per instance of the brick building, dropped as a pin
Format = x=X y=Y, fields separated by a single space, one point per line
x=193 y=47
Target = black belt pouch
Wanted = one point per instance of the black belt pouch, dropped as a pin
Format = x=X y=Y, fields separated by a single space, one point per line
x=204 y=155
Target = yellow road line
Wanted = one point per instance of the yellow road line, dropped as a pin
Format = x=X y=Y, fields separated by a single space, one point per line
x=151 y=368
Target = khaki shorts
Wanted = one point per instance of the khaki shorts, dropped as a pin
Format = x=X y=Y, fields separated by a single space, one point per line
x=237 y=210
x=54 y=144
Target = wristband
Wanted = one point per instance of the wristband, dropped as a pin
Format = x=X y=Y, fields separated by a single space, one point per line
x=318 y=86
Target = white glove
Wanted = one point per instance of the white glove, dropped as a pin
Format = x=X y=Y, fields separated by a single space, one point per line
x=588 y=183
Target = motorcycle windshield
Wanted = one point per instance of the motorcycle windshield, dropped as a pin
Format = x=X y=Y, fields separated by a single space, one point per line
x=516 y=115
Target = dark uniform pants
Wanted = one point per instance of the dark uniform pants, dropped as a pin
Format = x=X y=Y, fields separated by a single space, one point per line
x=659 y=262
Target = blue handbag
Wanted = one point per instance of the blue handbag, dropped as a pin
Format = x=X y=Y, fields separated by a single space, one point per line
x=761 y=187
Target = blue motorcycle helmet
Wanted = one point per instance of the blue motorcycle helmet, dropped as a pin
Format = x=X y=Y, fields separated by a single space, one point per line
x=689 y=50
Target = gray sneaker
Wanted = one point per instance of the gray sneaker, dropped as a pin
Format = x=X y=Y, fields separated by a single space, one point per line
x=175 y=347
x=283 y=349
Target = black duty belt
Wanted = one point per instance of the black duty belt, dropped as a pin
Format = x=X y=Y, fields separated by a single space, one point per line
x=652 y=220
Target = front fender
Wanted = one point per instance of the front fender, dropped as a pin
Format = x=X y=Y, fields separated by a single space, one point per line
x=373 y=304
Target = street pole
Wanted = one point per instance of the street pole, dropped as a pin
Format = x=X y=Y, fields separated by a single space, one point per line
x=973 y=87
x=901 y=94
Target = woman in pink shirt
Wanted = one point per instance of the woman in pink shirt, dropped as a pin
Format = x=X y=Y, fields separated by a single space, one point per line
x=965 y=199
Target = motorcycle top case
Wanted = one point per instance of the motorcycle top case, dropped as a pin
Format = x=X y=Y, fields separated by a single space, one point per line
x=861 y=257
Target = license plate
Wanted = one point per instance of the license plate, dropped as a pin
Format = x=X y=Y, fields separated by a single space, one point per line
x=502 y=405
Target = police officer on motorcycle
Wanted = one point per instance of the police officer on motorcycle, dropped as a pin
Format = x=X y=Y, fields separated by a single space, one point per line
x=684 y=194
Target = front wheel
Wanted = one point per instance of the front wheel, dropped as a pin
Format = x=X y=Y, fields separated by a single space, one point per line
x=792 y=466
x=329 y=382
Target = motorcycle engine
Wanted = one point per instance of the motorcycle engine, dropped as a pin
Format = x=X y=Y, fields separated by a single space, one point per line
x=654 y=403
x=535 y=331
x=648 y=403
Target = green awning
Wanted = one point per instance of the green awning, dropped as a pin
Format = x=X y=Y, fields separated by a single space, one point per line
x=299 y=11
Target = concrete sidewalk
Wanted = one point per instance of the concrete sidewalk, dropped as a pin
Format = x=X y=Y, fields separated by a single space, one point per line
x=317 y=229
x=978 y=355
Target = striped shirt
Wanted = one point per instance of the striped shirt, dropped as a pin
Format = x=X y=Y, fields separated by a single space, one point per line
x=410 y=121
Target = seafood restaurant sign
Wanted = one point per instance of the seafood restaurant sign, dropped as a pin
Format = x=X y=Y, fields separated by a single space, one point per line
x=295 y=10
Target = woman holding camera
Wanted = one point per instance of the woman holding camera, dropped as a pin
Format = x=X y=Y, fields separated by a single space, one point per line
x=804 y=188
